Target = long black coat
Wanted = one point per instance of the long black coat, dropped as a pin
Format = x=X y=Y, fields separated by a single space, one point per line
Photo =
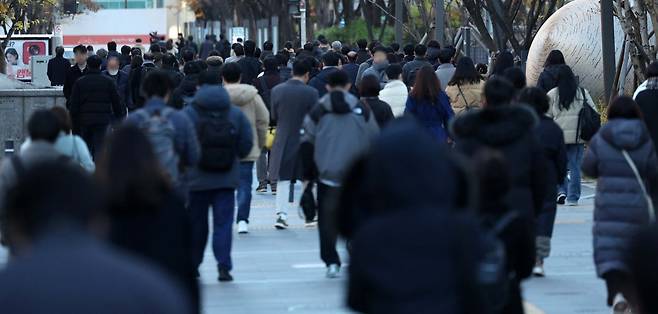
x=620 y=208
x=72 y=75
x=508 y=129
x=57 y=69
x=551 y=137
x=291 y=102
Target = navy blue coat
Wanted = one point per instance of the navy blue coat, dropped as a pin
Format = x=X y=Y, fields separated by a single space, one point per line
x=319 y=82
x=620 y=208
x=121 y=79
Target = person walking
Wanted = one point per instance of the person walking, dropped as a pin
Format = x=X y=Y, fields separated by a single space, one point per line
x=446 y=69
x=362 y=54
x=551 y=138
x=58 y=67
x=75 y=72
x=378 y=68
x=548 y=79
x=147 y=217
x=623 y=158
x=170 y=132
x=291 y=101
x=335 y=132
x=465 y=88
x=410 y=69
x=55 y=210
x=252 y=106
x=395 y=93
x=429 y=104
x=567 y=100
x=225 y=137
x=120 y=79
x=508 y=129
x=330 y=64
x=369 y=91
x=270 y=78
x=95 y=105
x=250 y=65
x=646 y=100
x=410 y=206
x=206 y=47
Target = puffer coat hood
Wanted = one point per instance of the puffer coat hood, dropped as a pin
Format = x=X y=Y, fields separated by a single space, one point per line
x=495 y=126
x=625 y=134
x=213 y=98
x=241 y=94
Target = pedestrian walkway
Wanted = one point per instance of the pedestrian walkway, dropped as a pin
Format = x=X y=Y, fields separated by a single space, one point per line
x=280 y=271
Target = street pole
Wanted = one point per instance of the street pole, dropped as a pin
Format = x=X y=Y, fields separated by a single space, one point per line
x=440 y=21
x=302 y=27
x=466 y=32
x=398 y=22
x=58 y=38
x=608 y=48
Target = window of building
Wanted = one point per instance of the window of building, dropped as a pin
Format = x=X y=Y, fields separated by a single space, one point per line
x=130 y=4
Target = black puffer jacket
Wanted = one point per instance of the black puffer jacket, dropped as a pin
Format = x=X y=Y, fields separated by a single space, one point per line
x=510 y=130
x=95 y=100
x=251 y=67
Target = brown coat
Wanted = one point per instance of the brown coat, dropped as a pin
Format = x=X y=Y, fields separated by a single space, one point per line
x=470 y=96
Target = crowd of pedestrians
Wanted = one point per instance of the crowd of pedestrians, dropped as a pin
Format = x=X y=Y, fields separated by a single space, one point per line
x=443 y=176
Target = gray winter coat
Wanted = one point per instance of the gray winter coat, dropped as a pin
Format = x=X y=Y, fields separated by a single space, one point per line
x=620 y=208
x=291 y=102
x=215 y=98
x=339 y=129
x=379 y=71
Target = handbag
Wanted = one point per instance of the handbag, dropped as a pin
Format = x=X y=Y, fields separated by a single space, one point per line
x=652 y=213
x=269 y=138
x=589 y=121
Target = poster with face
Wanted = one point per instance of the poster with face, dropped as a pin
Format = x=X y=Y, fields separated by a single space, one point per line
x=18 y=54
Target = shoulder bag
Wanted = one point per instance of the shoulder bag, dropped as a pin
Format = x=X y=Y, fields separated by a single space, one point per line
x=629 y=160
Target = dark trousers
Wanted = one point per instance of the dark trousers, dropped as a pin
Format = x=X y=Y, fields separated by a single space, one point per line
x=617 y=282
x=222 y=202
x=94 y=135
x=327 y=199
x=262 y=168
x=545 y=226
x=244 y=190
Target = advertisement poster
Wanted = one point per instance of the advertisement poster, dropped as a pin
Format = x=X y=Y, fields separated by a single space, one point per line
x=18 y=53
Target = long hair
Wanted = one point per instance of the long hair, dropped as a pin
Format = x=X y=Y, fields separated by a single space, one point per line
x=624 y=107
x=555 y=57
x=567 y=87
x=504 y=60
x=427 y=85
x=465 y=73
x=130 y=172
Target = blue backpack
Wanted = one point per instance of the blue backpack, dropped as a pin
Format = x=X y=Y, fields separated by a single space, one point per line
x=161 y=133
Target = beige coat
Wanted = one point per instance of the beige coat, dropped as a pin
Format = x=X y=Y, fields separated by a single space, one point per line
x=472 y=96
x=251 y=104
x=568 y=119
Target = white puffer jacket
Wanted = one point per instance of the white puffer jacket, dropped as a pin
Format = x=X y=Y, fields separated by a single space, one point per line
x=568 y=119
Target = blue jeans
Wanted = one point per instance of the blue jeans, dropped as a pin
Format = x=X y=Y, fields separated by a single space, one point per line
x=571 y=185
x=222 y=202
x=244 y=190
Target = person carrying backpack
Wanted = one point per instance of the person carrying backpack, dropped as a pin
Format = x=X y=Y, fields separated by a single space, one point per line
x=225 y=137
x=334 y=133
x=171 y=133
x=509 y=240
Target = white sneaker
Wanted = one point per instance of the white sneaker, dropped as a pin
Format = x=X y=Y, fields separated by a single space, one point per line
x=281 y=222
x=243 y=227
x=538 y=271
x=333 y=271
x=620 y=305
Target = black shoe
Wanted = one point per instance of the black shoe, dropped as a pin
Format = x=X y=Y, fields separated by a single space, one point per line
x=262 y=188
x=224 y=276
x=273 y=187
x=561 y=199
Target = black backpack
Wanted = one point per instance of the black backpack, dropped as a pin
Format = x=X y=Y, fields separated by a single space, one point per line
x=493 y=275
x=218 y=138
x=589 y=121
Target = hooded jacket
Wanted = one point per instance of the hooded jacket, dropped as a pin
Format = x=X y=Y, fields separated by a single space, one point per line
x=568 y=119
x=337 y=130
x=395 y=93
x=251 y=104
x=510 y=130
x=215 y=99
x=620 y=207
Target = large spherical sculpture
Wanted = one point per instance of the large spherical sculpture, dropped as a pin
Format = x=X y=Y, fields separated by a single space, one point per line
x=574 y=29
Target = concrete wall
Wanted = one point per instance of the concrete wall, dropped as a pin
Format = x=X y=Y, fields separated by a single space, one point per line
x=16 y=106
